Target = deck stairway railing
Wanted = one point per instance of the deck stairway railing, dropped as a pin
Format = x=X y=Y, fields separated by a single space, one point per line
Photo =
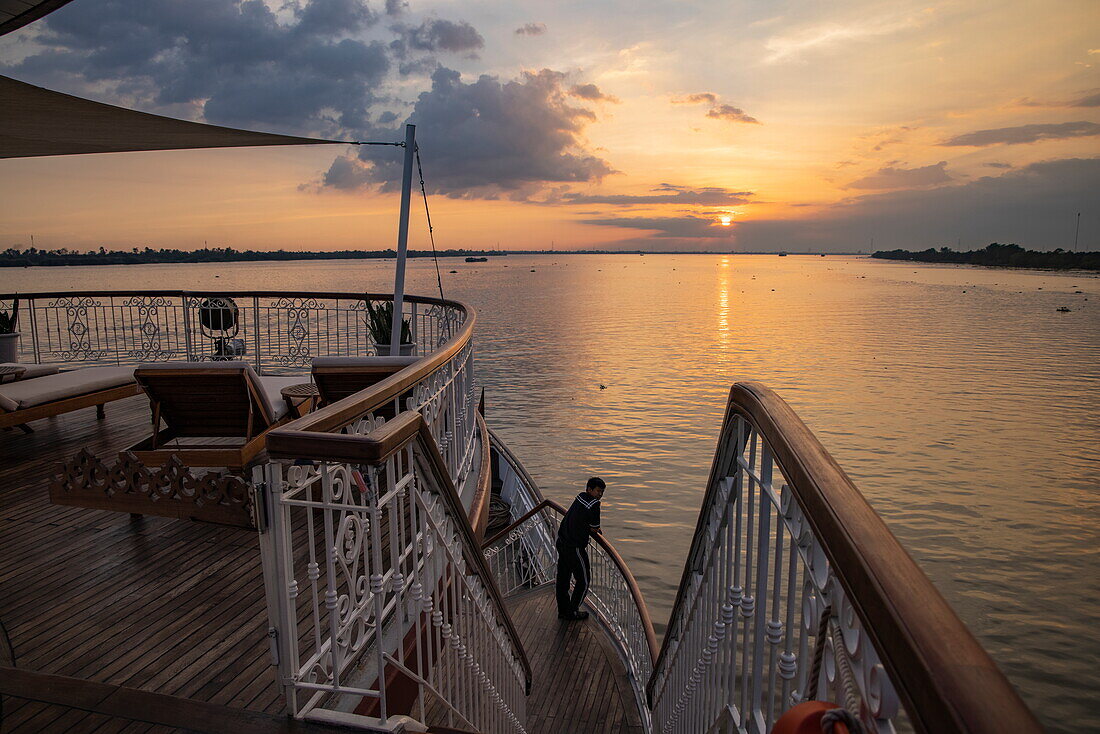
x=382 y=603
x=380 y=595
x=523 y=556
x=275 y=331
x=794 y=590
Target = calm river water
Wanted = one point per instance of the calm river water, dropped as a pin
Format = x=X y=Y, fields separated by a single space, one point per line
x=962 y=404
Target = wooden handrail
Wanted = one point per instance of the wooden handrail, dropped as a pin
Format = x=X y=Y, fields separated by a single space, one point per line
x=624 y=570
x=375 y=448
x=946 y=681
x=522 y=519
x=343 y=412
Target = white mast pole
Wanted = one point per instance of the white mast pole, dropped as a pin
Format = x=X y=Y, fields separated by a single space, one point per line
x=402 y=241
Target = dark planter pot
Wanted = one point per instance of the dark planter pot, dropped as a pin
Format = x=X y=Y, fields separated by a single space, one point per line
x=9 y=347
x=405 y=350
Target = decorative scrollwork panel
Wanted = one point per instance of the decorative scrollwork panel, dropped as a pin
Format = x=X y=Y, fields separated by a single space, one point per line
x=173 y=490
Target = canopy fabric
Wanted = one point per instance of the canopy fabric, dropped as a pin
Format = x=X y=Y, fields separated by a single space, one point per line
x=14 y=14
x=39 y=122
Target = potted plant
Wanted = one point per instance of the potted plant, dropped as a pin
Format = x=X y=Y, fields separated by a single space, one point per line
x=9 y=337
x=379 y=320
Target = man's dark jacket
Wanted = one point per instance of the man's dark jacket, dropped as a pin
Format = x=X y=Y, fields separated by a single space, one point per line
x=580 y=521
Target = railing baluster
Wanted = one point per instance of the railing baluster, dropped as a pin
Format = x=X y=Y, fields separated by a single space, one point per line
x=788 y=661
x=35 y=344
x=775 y=628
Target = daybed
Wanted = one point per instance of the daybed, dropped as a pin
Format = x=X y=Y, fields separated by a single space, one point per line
x=32 y=370
x=53 y=394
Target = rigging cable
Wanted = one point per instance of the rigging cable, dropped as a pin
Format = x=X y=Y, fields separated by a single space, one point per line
x=428 y=214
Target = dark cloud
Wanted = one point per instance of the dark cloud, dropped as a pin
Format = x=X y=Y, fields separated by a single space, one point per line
x=531 y=29
x=344 y=173
x=717 y=111
x=1032 y=206
x=667 y=194
x=395 y=8
x=1025 y=134
x=685 y=227
x=333 y=17
x=997 y=164
x=592 y=93
x=1089 y=100
x=731 y=113
x=904 y=178
x=488 y=138
x=236 y=62
x=700 y=98
x=437 y=35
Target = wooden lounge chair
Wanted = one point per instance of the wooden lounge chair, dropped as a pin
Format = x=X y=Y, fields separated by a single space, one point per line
x=54 y=394
x=338 y=377
x=214 y=413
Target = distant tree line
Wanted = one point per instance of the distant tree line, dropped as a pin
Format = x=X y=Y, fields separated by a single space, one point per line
x=14 y=258
x=1007 y=256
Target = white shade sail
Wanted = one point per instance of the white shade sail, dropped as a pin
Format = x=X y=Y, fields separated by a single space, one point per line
x=39 y=122
x=14 y=14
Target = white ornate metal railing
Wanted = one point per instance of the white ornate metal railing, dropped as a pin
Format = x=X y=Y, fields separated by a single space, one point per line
x=523 y=556
x=443 y=394
x=381 y=603
x=794 y=590
x=274 y=331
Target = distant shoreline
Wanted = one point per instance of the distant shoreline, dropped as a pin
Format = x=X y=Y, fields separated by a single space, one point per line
x=1001 y=256
x=32 y=257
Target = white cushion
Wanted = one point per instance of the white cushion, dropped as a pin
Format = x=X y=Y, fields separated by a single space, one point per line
x=272 y=388
x=364 y=361
x=32 y=370
x=236 y=363
x=51 y=388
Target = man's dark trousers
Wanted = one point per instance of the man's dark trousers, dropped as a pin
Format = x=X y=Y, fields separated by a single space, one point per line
x=572 y=564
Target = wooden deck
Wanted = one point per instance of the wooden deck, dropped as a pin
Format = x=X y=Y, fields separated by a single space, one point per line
x=579 y=684
x=152 y=604
x=176 y=608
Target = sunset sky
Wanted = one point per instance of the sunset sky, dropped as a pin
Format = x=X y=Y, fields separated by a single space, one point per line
x=706 y=125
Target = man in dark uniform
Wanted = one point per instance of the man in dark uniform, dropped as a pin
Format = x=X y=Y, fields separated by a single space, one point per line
x=581 y=521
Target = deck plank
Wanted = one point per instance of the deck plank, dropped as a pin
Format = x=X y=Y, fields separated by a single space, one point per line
x=166 y=606
x=579 y=684
x=177 y=608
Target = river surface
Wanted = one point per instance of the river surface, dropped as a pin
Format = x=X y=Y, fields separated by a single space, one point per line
x=962 y=404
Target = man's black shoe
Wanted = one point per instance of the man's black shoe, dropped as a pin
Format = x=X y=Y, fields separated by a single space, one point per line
x=574 y=616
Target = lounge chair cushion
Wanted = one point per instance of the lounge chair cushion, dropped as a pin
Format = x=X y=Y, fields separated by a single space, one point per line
x=31 y=369
x=51 y=388
x=273 y=386
x=391 y=362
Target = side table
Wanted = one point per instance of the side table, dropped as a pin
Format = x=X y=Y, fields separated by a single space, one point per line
x=297 y=396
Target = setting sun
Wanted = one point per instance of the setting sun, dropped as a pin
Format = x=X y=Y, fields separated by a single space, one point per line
x=725 y=219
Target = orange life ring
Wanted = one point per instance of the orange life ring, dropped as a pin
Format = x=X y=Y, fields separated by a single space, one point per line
x=805 y=718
